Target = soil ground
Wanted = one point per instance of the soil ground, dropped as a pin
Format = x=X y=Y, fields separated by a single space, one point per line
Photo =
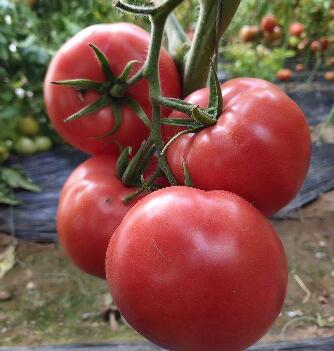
x=45 y=300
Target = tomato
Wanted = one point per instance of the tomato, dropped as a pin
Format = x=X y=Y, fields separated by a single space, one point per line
x=275 y=35
x=300 y=67
x=320 y=45
x=268 y=23
x=248 y=33
x=284 y=74
x=28 y=126
x=25 y=146
x=296 y=29
x=90 y=209
x=197 y=271
x=293 y=42
x=259 y=149
x=329 y=75
x=331 y=61
x=43 y=143
x=121 y=43
x=4 y=153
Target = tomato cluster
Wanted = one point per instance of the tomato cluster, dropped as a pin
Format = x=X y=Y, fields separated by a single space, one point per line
x=191 y=268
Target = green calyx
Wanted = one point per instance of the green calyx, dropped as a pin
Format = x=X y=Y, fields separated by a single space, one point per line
x=200 y=118
x=112 y=92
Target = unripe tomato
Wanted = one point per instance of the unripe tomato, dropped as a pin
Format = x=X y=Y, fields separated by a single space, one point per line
x=28 y=126
x=4 y=153
x=296 y=29
x=293 y=42
x=43 y=143
x=248 y=33
x=284 y=74
x=268 y=23
x=196 y=270
x=25 y=146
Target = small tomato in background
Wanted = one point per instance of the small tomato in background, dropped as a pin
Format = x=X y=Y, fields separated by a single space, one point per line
x=268 y=23
x=299 y=67
x=296 y=29
x=329 y=76
x=248 y=33
x=284 y=75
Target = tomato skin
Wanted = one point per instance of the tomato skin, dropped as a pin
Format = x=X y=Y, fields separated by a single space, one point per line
x=89 y=210
x=284 y=74
x=248 y=33
x=296 y=29
x=268 y=23
x=76 y=60
x=186 y=269
x=260 y=147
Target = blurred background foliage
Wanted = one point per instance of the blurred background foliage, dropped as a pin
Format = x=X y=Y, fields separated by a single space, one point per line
x=32 y=30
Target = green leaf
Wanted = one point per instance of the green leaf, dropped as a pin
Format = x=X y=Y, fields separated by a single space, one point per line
x=127 y=70
x=16 y=179
x=187 y=178
x=102 y=102
x=104 y=63
x=81 y=84
x=135 y=106
x=216 y=99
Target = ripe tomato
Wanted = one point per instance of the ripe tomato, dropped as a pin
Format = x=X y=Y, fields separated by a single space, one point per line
x=329 y=75
x=121 y=43
x=248 y=33
x=259 y=149
x=296 y=29
x=89 y=210
x=275 y=35
x=268 y=23
x=322 y=44
x=284 y=74
x=196 y=271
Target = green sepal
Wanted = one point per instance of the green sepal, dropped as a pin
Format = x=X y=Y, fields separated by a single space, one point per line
x=187 y=177
x=15 y=179
x=146 y=160
x=134 y=163
x=81 y=84
x=104 y=63
x=123 y=161
x=127 y=70
x=102 y=102
x=202 y=117
x=177 y=104
x=182 y=122
x=135 y=106
x=215 y=107
x=117 y=112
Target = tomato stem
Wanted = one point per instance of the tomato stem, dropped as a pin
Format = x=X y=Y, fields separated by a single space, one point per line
x=214 y=18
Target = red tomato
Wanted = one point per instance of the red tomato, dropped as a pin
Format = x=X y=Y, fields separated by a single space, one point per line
x=90 y=209
x=284 y=74
x=197 y=271
x=322 y=44
x=269 y=23
x=259 y=149
x=275 y=35
x=296 y=29
x=121 y=43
